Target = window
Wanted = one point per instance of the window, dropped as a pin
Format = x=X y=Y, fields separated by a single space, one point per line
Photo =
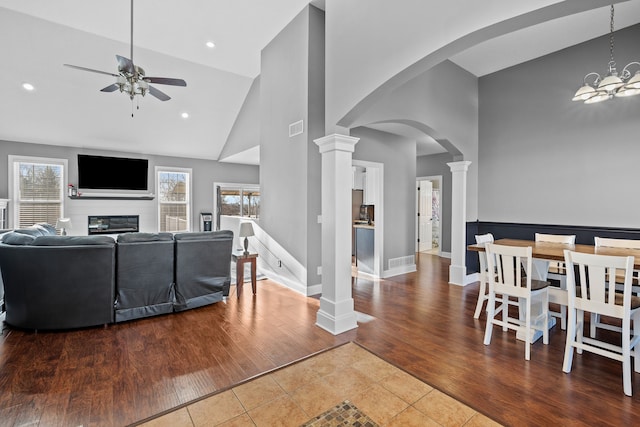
x=237 y=200
x=174 y=199
x=37 y=187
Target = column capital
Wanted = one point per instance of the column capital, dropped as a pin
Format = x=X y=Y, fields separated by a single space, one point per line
x=459 y=166
x=337 y=142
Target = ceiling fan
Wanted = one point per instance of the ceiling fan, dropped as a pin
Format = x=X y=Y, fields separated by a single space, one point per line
x=131 y=79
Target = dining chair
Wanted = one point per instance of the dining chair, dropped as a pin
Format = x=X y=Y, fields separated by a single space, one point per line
x=483 y=294
x=606 y=242
x=557 y=271
x=509 y=281
x=596 y=293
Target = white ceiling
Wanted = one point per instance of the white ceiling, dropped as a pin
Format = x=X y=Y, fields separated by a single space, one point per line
x=169 y=38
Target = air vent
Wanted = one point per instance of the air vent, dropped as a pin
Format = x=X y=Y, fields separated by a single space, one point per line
x=402 y=261
x=296 y=128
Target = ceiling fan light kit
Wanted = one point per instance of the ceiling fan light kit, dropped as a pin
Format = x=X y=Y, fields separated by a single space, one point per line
x=131 y=79
x=596 y=88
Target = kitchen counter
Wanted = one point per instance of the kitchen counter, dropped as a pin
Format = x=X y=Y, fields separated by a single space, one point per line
x=364 y=247
x=363 y=225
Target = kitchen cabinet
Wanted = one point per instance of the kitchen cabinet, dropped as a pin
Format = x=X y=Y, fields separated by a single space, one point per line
x=358 y=178
x=364 y=248
x=371 y=184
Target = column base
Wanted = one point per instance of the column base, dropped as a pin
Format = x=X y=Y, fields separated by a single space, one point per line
x=336 y=317
x=457 y=275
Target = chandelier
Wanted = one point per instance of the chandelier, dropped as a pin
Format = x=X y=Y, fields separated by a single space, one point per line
x=597 y=89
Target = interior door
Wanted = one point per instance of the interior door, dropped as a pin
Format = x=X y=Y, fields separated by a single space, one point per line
x=425 y=232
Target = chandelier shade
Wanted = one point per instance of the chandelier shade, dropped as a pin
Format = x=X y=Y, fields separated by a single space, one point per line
x=596 y=88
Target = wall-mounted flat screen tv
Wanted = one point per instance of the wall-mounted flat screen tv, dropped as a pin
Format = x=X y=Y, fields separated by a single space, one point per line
x=112 y=173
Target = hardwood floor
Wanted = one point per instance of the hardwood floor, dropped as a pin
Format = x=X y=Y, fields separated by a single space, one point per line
x=127 y=372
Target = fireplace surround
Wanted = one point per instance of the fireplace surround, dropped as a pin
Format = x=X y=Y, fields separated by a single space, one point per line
x=113 y=224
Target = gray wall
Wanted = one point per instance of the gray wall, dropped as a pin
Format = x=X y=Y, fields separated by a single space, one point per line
x=245 y=133
x=398 y=154
x=205 y=173
x=437 y=165
x=545 y=159
x=292 y=83
x=444 y=99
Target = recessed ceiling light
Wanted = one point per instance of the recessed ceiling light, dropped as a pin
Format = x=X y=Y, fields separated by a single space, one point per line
x=185 y=115
x=210 y=44
x=28 y=86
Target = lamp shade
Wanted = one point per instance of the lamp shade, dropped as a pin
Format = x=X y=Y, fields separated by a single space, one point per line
x=246 y=229
x=64 y=223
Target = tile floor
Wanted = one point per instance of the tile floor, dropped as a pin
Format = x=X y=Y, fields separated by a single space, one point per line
x=293 y=395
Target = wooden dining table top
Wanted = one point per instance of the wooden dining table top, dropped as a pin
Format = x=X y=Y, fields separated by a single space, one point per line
x=555 y=251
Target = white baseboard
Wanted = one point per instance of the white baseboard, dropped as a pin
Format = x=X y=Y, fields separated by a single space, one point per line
x=403 y=269
x=314 y=290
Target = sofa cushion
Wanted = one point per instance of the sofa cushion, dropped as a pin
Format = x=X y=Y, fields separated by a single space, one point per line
x=144 y=237
x=14 y=238
x=46 y=229
x=205 y=235
x=73 y=240
x=31 y=231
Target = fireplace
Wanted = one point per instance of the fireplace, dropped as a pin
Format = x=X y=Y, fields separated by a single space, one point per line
x=113 y=224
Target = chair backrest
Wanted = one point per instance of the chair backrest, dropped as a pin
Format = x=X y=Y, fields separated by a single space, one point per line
x=594 y=289
x=507 y=262
x=569 y=239
x=617 y=243
x=482 y=256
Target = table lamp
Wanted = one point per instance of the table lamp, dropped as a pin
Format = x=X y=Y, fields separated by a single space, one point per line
x=246 y=230
x=64 y=224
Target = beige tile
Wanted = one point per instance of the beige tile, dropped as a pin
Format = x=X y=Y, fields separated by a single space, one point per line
x=258 y=392
x=295 y=376
x=281 y=412
x=179 y=418
x=243 y=420
x=379 y=403
x=444 y=409
x=411 y=417
x=479 y=420
x=215 y=409
x=405 y=386
x=374 y=367
x=347 y=382
x=316 y=397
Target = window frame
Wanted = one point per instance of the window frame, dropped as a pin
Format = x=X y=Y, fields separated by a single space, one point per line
x=13 y=180
x=242 y=188
x=188 y=202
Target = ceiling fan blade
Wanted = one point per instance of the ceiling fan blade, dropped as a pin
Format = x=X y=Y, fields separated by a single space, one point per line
x=166 y=81
x=125 y=64
x=110 y=88
x=159 y=94
x=90 y=69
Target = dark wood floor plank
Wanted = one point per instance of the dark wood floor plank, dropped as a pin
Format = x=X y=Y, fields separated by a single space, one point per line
x=126 y=372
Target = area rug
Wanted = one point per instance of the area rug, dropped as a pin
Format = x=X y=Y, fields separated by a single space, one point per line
x=344 y=414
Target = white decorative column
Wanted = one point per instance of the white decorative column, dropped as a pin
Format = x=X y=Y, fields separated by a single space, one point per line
x=336 y=313
x=458 y=268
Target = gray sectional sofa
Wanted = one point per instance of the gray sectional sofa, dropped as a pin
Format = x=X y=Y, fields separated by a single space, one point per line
x=64 y=282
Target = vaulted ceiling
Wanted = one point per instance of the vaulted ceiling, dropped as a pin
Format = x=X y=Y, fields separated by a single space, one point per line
x=67 y=108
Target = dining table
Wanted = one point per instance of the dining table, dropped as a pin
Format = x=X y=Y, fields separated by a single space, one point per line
x=545 y=252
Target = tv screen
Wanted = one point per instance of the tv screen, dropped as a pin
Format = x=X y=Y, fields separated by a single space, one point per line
x=112 y=173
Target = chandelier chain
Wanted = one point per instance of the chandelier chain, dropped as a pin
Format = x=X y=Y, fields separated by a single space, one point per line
x=611 y=36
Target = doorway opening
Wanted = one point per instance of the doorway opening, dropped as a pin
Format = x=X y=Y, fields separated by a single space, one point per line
x=428 y=215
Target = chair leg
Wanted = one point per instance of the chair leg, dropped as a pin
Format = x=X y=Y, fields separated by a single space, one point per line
x=527 y=339
x=595 y=319
x=579 y=329
x=563 y=317
x=636 y=348
x=545 y=324
x=626 y=359
x=481 y=297
x=571 y=337
x=491 y=307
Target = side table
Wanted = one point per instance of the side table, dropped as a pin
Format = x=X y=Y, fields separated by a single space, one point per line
x=241 y=258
